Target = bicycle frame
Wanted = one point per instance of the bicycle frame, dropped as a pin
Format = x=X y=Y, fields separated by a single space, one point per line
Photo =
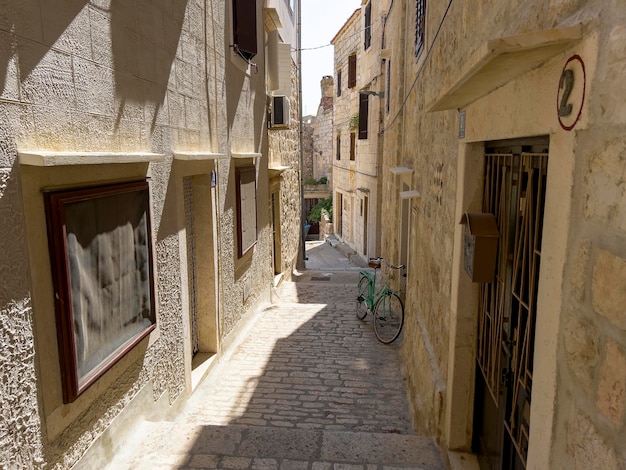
x=372 y=295
x=385 y=305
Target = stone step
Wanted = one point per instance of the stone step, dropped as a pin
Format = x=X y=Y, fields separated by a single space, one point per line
x=183 y=446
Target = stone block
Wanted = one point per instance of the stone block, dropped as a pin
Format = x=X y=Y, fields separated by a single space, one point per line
x=611 y=397
x=578 y=278
x=581 y=346
x=586 y=446
x=609 y=287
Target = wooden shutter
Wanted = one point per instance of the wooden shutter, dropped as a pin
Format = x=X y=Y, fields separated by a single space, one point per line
x=339 y=82
x=244 y=28
x=245 y=187
x=352 y=146
x=368 y=25
x=363 y=115
x=352 y=71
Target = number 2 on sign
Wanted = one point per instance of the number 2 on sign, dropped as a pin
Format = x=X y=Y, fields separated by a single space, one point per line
x=567 y=81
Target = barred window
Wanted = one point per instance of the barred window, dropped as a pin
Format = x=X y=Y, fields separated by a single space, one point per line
x=420 y=24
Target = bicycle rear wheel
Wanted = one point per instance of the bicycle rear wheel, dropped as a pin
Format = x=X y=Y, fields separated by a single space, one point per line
x=388 y=318
x=361 y=304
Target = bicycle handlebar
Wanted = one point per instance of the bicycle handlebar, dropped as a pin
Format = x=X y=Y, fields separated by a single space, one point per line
x=375 y=263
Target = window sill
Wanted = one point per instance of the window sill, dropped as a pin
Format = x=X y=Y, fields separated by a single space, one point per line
x=198 y=156
x=53 y=158
x=245 y=155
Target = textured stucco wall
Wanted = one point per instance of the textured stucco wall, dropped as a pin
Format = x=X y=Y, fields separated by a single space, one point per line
x=577 y=413
x=115 y=76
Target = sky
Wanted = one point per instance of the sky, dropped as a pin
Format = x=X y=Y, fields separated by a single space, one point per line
x=321 y=20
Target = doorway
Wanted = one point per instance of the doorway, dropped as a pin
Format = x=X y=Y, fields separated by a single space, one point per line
x=515 y=178
x=365 y=214
x=199 y=225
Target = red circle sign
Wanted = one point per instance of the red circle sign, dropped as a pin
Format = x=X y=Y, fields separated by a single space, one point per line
x=571 y=92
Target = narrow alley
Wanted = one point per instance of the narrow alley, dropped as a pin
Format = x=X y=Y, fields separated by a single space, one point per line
x=312 y=388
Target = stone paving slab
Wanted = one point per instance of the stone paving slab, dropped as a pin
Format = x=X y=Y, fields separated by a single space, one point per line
x=180 y=446
x=308 y=387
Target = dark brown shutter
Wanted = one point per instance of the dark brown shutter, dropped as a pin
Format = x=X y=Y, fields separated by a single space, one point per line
x=352 y=71
x=244 y=28
x=352 y=146
x=368 y=26
x=339 y=82
x=363 y=115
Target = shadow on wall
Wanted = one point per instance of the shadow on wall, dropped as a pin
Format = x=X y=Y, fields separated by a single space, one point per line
x=23 y=32
x=144 y=44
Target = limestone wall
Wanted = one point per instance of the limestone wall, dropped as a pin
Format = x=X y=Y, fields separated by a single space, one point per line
x=114 y=78
x=577 y=413
x=284 y=150
x=323 y=132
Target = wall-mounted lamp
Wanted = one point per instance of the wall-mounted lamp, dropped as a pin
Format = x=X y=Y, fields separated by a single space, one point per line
x=380 y=94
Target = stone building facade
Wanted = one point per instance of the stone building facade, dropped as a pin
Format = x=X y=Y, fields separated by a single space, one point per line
x=357 y=141
x=126 y=101
x=286 y=174
x=323 y=132
x=513 y=109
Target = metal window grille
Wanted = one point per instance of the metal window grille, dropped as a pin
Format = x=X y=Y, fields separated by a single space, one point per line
x=420 y=26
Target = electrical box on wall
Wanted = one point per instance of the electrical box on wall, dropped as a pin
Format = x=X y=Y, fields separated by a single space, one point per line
x=280 y=111
x=480 y=246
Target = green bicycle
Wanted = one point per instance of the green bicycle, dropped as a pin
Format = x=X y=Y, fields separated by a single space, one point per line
x=385 y=305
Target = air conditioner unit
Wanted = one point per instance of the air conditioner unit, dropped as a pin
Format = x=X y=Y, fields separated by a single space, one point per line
x=280 y=111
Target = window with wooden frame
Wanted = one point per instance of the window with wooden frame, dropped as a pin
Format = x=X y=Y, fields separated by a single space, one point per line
x=101 y=256
x=339 y=82
x=363 y=115
x=244 y=28
x=352 y=71
x=368 y=26
x=420 y=26
x=338 y=152
x=352 y=146
x=245 y=188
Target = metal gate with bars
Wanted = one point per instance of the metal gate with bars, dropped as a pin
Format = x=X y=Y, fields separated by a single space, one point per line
x=514 y=191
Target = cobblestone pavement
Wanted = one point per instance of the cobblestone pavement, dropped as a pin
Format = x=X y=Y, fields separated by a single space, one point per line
x=309 y=387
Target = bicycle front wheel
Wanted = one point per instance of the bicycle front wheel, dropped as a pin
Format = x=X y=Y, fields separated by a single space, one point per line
x=361 y=304
x=388 y=317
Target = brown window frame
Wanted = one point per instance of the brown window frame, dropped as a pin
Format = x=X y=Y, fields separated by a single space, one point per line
x=73 y=221
x=352 y=71
x=244 y=28
x=244 y=227
x=363 y=115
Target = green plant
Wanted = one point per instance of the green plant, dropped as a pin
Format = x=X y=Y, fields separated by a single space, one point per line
x=323 y=207
x=310 y=182
x=323 y=180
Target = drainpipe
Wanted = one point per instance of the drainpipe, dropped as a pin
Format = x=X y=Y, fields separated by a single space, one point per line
x=302 y=251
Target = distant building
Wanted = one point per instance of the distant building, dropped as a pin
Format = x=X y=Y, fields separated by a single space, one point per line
x=357 y=137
